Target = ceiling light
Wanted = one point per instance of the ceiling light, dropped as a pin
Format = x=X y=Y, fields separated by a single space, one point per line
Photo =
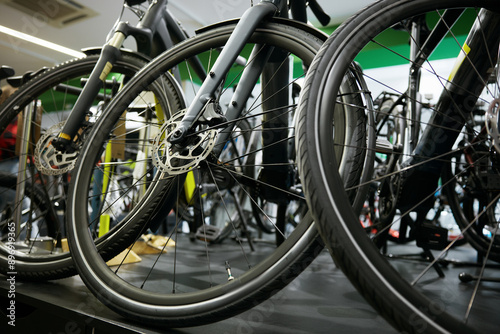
x=57 y=13
x=41 y=42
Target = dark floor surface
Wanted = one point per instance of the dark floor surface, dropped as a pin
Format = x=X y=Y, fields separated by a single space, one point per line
x=320 y=300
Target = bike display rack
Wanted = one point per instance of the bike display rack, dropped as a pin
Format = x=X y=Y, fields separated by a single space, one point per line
x=67 y=306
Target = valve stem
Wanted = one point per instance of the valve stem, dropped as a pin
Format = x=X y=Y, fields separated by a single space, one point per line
x=228 y=269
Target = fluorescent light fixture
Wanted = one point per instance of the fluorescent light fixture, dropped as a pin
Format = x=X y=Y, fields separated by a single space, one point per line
x=41 y=42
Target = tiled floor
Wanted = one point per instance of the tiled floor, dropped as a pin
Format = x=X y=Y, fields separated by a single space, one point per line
x=320 y=300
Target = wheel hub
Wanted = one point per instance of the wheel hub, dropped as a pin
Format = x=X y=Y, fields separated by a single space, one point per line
x=174 y=159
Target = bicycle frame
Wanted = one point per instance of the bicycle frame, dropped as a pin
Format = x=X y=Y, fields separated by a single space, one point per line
x=263 y=60
x=241 y=34
x=454 y=106
x=262 y=63
x=409 y=137
x=153 y=34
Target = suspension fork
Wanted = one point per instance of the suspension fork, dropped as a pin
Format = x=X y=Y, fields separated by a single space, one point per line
x=109 y=55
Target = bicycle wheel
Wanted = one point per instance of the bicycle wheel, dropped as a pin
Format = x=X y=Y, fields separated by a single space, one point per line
x=200 y=282
x=413 y=299
x=33 y=206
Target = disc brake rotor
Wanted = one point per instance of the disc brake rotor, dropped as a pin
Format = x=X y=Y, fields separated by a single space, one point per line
x=48 y=159
x=174 y=159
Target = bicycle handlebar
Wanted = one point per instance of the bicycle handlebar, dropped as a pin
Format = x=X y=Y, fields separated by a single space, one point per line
x=134 y=2
x=298 y=9
x=320 y=14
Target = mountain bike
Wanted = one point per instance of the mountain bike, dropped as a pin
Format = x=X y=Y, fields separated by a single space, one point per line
x=38 y=111
x=52 y=93
x=454 y=152
x=190 y=283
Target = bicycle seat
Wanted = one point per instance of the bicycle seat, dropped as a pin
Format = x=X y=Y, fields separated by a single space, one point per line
x=6 y=71
x=17 y=81
x=134 y=2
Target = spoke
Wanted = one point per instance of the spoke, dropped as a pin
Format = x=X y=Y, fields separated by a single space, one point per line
x=466 y=53
x=236 y=175
x=205 y=242
x=177 y=221
x=160 y=253
x=240 y=243
x=483 y=267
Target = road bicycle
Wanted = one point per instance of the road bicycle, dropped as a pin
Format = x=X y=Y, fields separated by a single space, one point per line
x=453 y=151
x=194 y=283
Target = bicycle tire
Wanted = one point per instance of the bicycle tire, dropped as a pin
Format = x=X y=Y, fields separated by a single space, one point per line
x=56 y=263
x=407 y=307
x=214 y=300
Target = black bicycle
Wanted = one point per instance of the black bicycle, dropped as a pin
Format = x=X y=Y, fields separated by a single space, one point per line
x=189 y=283
x=452 y=151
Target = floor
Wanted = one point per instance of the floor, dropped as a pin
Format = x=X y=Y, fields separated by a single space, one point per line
x=320 y=300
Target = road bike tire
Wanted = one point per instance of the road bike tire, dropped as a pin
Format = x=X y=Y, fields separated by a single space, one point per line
x=35 y=263
x=411 y=304
x=206 y=291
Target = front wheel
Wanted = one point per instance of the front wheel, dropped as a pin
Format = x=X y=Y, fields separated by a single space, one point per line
x=33 y=205
x=425 y=295
x=193 y=281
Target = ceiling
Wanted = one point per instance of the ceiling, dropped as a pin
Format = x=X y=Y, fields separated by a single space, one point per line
x=25 y=56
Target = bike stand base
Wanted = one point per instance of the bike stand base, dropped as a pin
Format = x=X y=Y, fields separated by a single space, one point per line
x=125 y=257
x=424 y=256
x=152 y=244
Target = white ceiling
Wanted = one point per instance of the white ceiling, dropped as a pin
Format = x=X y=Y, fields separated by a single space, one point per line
x=24 y=56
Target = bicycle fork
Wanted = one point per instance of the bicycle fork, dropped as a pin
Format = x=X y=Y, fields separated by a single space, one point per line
x=244 y=29
x=274 y=67
x=266 y=61
x=110 y=53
